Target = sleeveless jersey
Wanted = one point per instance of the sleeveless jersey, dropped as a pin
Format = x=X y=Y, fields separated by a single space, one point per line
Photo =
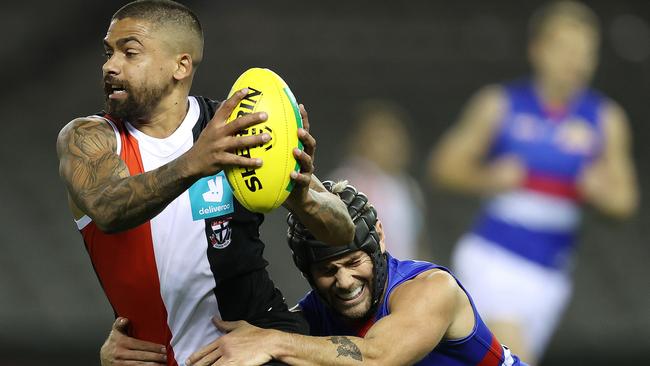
x=198 y=258
x=539 y=221
x=479 y=348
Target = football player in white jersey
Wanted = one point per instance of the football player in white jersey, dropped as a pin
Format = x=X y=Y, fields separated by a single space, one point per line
x=153 y=48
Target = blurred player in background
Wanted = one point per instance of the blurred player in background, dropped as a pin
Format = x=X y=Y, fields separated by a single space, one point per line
x=169 y=244
x=379 y=151
x=538 y=148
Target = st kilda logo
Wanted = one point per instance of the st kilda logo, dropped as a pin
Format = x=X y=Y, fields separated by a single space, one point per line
x=221 y=233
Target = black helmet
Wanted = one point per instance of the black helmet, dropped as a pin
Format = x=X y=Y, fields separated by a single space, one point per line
x=308 y=250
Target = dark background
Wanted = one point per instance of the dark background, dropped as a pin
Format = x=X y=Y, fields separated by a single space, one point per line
x=428 y=56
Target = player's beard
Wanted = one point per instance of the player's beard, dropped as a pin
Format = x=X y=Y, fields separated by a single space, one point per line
x=358 y=312
x=139 y=102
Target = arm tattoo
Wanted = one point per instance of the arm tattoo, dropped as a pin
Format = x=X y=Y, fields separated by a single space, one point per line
x=336 y=221
x=332 y=215
x=346 y=348
x=100 y=183
x=328 y=220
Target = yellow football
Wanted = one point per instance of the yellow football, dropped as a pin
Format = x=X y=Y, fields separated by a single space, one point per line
x=267 y=187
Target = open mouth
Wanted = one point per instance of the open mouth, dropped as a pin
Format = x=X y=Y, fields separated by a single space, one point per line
x=350 y=296
x=114 y=91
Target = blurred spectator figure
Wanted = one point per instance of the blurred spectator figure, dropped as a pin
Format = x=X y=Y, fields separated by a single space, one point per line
x=538 y=148
x=379 y=153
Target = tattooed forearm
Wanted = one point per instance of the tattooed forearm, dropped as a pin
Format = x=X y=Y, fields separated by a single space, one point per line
x=100 y=184
x=335 y=219
x=346 y=348
x=132 y=201
x=326 y=216
x=323 y=213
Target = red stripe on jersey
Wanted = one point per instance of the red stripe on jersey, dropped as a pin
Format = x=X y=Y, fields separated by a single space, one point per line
x=552 y=186
x=494 y=355
x=126 y=266
x=365 y=327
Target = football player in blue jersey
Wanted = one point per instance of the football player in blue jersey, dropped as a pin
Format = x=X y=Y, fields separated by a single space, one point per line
x=365 y=306
x=538 y=148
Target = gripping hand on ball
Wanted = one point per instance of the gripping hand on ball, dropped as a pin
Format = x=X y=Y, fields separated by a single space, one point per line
x=322 y=212
x=305 y=157
x=216 y=146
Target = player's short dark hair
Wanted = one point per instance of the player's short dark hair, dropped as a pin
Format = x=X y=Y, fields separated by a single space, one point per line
x=163 y=13
x=574 y=10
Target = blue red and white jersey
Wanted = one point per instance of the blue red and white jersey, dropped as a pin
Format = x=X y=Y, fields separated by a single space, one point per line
x=479 y=348
x=539 y=220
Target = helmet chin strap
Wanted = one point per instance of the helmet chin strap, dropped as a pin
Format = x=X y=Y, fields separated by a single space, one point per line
x=380 y=271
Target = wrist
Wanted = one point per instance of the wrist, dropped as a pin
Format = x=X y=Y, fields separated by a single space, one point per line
x=302 y=203
x=495 y=180
x=280 y=343
x=187 y=167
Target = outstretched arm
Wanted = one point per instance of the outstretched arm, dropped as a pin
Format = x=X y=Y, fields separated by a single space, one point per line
x=458 y=159
x=99 y=183
x=322 y=212
x=422 y=312
x=609 y=184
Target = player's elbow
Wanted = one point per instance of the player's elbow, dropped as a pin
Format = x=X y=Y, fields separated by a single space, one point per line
x=628 y=210
x=347 y=233
x=623 y=209
x=376 y=350
x=109 y=229
x=381 y=357
x=444 y=171
x=107 y=220
x=437 y=169
x=376 y=356
x=107 y=224
x=443 y=176
x=620 y=206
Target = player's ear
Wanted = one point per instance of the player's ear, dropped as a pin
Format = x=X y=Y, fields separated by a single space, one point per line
x=184 y=66
x=382 y=237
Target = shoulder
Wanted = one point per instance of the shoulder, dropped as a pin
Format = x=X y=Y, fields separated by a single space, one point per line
x=85 y=130
x=491 y=96
x=435 y=279
x=486 y=107
x=606 y=107
x=612 y=110
x=207 y=100
x=432 y=286
x=85 y=124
